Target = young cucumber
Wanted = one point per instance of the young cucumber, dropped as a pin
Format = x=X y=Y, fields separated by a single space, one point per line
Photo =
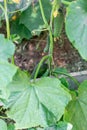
x=58 y=25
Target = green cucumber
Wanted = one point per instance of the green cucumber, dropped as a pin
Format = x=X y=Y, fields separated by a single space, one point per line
x=58 y=25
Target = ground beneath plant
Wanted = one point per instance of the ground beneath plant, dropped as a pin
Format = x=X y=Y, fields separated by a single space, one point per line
x=30 y=52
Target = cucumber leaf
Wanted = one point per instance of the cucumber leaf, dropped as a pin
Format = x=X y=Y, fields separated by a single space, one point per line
x=76 y=26
x=37 y=104
x=32 y=17
x=7 y=70
x=76 y=111
x=20 y=30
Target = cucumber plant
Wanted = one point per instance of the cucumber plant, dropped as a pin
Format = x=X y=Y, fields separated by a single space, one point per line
x=28 y=102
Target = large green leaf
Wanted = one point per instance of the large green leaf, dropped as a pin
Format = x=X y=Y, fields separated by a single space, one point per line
x=7 y=71
x=76 y=112
x=3 y=125
x=32 y=17
x=40 y=103
x=76 y=26
x=7 y=48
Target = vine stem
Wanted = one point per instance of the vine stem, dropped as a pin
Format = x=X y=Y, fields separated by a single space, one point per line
x=50 y=32
x=51 y=42
x=53 y=9
x=48 y=27
x=39 y=65
x=7 y=19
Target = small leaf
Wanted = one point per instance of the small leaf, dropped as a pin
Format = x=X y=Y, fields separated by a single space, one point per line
x=76 y=111
x=45 y=99
x=3 y=125
x=64 y=81
x=60 y=70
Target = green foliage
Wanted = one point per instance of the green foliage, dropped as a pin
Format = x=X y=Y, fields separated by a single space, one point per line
x=42 y=70
x=42 y=104
x=7 y=70
x=76 y=26
x=21 y=6
x=12 y=7
x=3 y=125
x=76 y=111
x=34 y=99
x=59 y=70
x=64 y=82
x=32 y=18
x=61 y=126
x=20 y=30
x=11 y=127
x=7 y=48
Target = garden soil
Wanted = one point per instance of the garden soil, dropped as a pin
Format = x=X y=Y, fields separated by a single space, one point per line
x=29 y=53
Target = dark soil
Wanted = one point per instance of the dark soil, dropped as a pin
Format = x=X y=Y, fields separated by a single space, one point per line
x=30 y=52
